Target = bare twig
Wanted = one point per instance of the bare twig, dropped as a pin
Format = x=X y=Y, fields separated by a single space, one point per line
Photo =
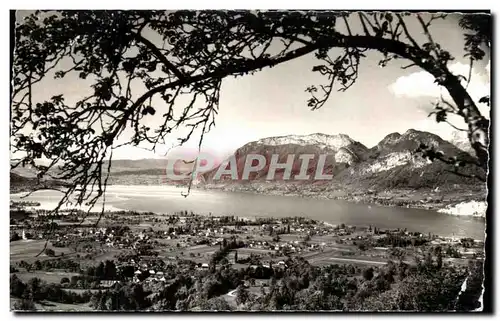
x=405 y=29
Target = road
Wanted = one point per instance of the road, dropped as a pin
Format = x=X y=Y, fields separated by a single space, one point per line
x=356 y=260
x=232 y=293
x=347 y=260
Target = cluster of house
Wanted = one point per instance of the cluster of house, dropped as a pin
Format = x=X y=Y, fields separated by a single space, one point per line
x=281 y=247
x=158 y=276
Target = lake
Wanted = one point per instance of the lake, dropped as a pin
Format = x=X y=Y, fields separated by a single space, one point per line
x=168 y=199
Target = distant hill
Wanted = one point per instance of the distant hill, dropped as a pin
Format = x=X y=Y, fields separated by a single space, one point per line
x=16 y=179
x=144 y=171
x=20 y=183
x=127 y=165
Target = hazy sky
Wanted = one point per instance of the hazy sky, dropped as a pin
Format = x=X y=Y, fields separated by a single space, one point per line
x=273 y=102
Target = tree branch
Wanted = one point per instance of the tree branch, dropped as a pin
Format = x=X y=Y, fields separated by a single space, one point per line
x=362 y=19
x=408 y=66
x=158 y=54
x=403 y=24
x=347 y=25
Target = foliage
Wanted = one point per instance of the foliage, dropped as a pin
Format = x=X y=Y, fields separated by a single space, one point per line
x=127 y=298
x=469 y=299
x=368 y=274
x=301 y=286
x=36 y=290
x=242 y=295
x=478 y=32
x=400 y=240
x=24 y=305
x=48 y=265
x=14 y=237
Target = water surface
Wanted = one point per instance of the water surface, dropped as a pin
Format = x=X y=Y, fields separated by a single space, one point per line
x=167 y=199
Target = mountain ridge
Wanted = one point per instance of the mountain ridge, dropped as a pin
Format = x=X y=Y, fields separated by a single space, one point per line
x=351 y=162
x=389 y=164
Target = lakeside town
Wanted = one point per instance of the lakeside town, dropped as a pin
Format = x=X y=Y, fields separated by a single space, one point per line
x=82 y=257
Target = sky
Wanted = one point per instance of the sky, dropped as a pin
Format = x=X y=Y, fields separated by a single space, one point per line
x=273 y=102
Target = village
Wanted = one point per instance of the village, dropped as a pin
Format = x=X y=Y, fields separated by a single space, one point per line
x=144 y=246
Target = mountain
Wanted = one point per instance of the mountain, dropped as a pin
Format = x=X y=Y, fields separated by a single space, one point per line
x=460 y=140
x=322 y=141
x=392 y=163
x=341 y=151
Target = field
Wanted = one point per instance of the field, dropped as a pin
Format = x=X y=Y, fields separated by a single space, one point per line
x=108 y=254
x=56 y=306
x=27 y=250
x=197 y=253
x=80 y=291
x=49 y=277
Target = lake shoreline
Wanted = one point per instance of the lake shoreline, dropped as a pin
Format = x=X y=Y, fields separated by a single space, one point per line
x=398 y=198
x=167 y=199
x=423 y=200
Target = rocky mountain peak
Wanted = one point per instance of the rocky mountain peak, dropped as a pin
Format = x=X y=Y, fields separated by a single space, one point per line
x=333 y=142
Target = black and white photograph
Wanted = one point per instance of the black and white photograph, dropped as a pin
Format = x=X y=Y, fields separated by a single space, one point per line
x=249 y=160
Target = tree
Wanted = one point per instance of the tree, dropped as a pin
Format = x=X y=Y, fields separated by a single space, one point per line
x=37 y=265
x=439 y=257
x=33 y=288
x=14 y=237
x=362 y=246
x=428 y=259
x=215 y=304
x=24 y=305
x=109 y=271
x=74 y=280
x=242 y=295
x=368 y=273
x=469 y=298
x=109 y=50
x=127 y=271
x=17 y=287
x=224 y=261
x=99 y=271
